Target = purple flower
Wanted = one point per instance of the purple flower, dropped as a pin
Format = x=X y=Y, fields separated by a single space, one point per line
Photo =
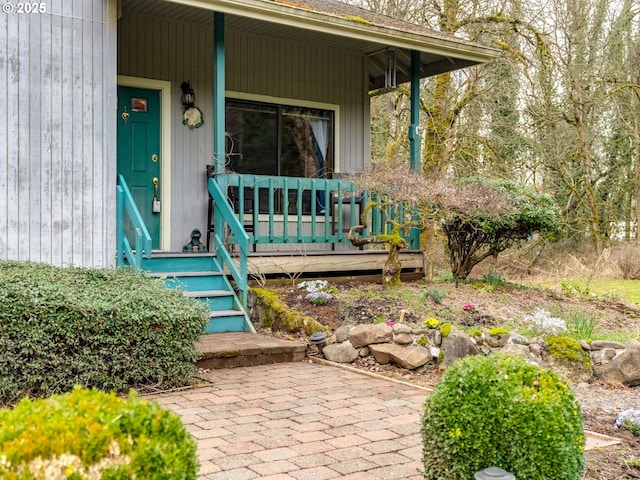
x=318 y=298
x=628 y=418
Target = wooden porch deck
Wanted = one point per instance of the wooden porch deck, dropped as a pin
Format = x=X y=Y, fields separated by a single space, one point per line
x=309 y=263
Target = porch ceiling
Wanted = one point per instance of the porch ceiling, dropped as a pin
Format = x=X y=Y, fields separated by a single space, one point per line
x=334 y=28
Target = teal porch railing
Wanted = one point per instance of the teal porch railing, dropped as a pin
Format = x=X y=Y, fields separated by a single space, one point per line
x=226 y=221
x=126 y=209
x=276 y=209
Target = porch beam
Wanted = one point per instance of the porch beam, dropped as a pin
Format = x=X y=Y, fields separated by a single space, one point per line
x=218 y=92
x=414 y=138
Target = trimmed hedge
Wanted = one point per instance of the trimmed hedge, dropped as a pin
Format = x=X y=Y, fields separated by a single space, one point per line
x=501 y=411
x=87 y=434
x=111 y=329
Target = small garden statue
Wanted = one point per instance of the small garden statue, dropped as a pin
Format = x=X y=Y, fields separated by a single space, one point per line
x=194 y=244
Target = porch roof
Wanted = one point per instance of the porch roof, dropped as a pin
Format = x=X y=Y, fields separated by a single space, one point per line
x=337 y=25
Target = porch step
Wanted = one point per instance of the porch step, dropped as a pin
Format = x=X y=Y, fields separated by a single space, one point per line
x=239 y=349
x=208 y=293
x=191 y=262
x=184 y=274
x=199 y=276
x=218 y=300
x=222 y=313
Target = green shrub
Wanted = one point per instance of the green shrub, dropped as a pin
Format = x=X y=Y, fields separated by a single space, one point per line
x=495 y=331
x=103 y=328
x=568 y=348
x=581 y=324
x=445 y=275
x=435 y=293
x=501 y=411
x=90 y=434
x=445 y=329
x=493 y=280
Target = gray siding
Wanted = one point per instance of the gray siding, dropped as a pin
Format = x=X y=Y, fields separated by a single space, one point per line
x=163 y=49
x=57 y=131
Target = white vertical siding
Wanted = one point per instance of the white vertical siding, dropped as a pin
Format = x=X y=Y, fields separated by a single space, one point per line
x=163 y=49
x=57 y=161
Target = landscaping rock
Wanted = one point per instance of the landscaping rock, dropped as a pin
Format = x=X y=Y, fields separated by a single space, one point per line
x=605 y=355
x=600 y=344
x=624 y=368
x=484 y=350
x=420 y=331
x=536 y=350
x=402 y=338
x=496 y=341
x=434 y=336
x=406 y=357
x=342 y=333
x=523 y=352
x=340 y=352
x=518 y=339
x=367 y=334
x=573 y=366
x=435 y=352
x=401 y=328
x=457 y=345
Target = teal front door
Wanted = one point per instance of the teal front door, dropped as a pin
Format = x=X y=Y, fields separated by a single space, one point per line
x=139 y=154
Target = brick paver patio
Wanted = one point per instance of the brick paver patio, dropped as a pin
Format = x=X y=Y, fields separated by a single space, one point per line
x=303 y=421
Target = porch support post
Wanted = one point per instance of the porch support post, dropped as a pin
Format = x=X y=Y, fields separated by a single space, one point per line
x=414 y=140
x=218 y=92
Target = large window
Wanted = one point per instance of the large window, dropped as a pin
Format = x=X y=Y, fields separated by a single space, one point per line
x=270 y=139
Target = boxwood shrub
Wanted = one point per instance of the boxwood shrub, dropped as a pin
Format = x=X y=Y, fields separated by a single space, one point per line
x=500 y=411
x=111 y=329
x=87 y=434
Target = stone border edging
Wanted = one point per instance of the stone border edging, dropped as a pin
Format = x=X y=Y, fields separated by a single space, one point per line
x=329 y=363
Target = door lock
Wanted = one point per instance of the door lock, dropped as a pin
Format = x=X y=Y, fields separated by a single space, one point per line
x=156 y=203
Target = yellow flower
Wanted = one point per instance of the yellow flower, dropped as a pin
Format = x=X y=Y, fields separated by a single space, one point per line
x=432 y=322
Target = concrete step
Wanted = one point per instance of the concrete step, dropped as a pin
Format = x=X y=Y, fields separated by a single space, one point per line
x=243 y=349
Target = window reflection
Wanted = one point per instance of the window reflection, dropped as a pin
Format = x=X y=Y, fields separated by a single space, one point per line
x=268 y=139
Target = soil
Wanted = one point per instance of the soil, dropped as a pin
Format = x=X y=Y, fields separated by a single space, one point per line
x=504 y=305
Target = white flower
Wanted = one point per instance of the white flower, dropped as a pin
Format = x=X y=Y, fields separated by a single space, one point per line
x=313 y=285
x=543 y=319
x=630 y=416
x=192 y=117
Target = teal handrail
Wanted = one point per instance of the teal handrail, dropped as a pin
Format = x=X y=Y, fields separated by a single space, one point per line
x=126 y=205
x=276 y=205
x=226 y=221
x=272 y=208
